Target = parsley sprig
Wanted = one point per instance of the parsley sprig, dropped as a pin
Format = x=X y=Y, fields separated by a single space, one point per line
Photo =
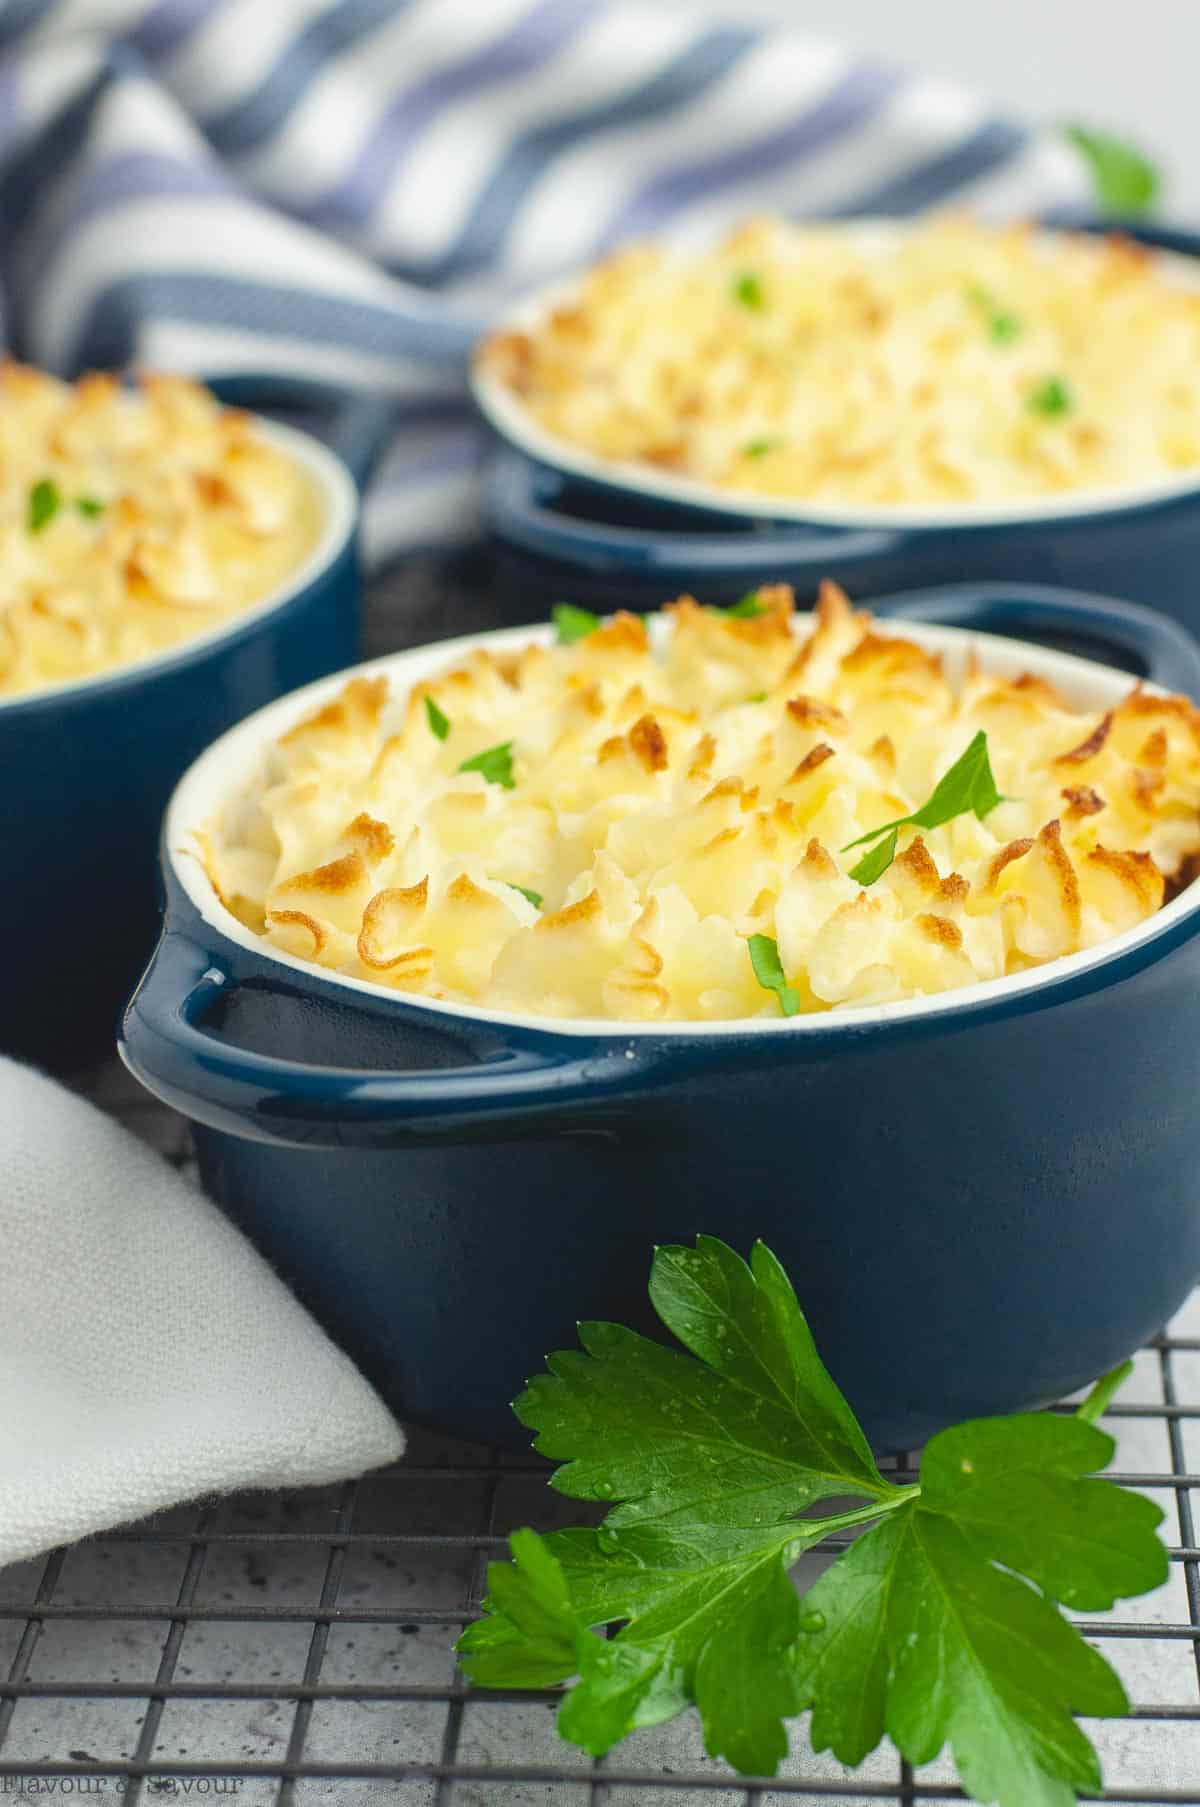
x=768 y=970
x=573 y=623
x=1003 y=326
x=439 y=722
x=748 y=289
x=1050 y=397
x=1123 y=177
x=967 y=786
x=494 y=763
x=45 y=500
x=937 y=1625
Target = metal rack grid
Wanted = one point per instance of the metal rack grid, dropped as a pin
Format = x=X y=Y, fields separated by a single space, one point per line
x=296 y=1648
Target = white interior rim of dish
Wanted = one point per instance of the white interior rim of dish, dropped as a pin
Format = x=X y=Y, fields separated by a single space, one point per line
x=232 y=762
x=338 y=499
x=512 y=420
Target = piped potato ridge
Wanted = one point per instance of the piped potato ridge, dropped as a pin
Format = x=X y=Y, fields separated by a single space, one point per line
x=640 y=805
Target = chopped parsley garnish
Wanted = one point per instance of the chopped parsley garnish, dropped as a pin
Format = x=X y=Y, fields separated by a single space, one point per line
x=768 y=970
x=533 y=897
x=968 y=787
x=745 y=608
x=760 y=696
x=439 y=724
x=572 y=623
x=1050 y=397
x=1124 y=179
x=494 y=764
x=749 y=290
x=1002 y=326
x=938 y=1624
x=44 y=503
x=89 y=506
x=875 y=862
x=758 y=448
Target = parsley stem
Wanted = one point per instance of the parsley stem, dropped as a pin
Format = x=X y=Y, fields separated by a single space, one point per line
x=892 y=1501
x=1101 y=1395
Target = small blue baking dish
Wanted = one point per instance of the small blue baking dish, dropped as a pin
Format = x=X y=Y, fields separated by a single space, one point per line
x=567 y=525
x=88 y=765
x=983 y=1198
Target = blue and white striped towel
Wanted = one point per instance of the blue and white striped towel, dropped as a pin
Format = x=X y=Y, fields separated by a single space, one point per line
x=350 y=190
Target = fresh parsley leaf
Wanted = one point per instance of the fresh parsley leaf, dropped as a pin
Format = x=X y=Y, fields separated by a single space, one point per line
x=572 y=623
x=1020 y=1490
x=531 y=1638
x=44 y=503
x=951 y=1649
x=439 y=724
x=494 y=764
x=764 y=958
x=533 y=897
x=1124 y=178
x=758 y=448
x=967 y=786
x=639 y=1422
x=89 y=506
x=1051 y=397
x=748 y=289
x=937 y=1625
x=944 y=1644
x=711 y=1459
x=875 y=862
x=759 y=696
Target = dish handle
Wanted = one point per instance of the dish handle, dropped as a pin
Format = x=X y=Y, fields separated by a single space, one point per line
x=522 y=508
x=1096 y=626
x=519 y=1084
x=354 y=426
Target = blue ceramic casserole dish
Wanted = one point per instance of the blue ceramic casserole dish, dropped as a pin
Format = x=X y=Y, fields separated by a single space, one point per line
x=569 y=525
x=88 y=766
x=983 y=1198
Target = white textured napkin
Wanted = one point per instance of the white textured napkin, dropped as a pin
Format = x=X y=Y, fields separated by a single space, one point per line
x=147 y=1353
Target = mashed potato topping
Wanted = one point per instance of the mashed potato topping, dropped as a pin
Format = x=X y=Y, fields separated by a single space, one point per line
x=949 y=363
x=598 y=829
x=130 y=521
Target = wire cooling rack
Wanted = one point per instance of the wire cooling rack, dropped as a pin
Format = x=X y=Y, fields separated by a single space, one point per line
x=296 y=1648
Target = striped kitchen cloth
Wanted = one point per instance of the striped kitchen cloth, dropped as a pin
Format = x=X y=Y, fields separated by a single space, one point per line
x=349 y=191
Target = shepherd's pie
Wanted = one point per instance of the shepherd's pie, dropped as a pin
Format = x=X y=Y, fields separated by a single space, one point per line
x=648 y=827
x=941 y=364
x=131 y=520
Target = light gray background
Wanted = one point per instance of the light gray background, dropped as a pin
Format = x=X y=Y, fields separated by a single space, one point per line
x=1130 y=66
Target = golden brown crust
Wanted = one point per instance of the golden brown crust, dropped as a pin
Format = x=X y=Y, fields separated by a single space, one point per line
x=1082 y=800
x=1091 y=746
x=940 y=930
x=133 y=520
x=668 y=802
x=901 y=395
x=649 y=743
